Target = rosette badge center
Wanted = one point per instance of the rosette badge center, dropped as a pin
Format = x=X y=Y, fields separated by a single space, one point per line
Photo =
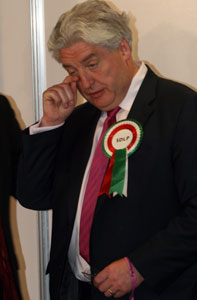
x=119 y=142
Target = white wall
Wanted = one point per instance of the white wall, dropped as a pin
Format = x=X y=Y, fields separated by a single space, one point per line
x=55 y=73
x=164 y=35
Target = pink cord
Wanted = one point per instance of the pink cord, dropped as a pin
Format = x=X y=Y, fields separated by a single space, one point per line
x=133 y=277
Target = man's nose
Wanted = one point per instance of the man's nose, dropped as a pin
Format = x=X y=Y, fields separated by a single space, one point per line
x=86 y=80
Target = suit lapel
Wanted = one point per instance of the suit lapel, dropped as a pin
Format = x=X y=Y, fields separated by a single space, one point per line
x=143 y=105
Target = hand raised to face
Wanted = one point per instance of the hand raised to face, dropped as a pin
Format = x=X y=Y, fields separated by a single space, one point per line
x=59 y=101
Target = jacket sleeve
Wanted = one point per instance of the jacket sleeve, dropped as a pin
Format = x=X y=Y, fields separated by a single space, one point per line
x=36 y=167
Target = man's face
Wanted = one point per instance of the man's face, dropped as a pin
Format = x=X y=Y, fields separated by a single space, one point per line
x=103 y=76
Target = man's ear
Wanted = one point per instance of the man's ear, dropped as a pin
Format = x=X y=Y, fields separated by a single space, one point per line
x=125 y=49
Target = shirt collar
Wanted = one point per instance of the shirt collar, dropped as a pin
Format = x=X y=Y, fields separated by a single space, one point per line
x=136 y=82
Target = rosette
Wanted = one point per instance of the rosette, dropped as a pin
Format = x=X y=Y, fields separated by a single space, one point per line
x=120 y=141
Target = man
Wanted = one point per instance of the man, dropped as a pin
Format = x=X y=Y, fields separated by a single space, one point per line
x=10 y=146
x=144 y=226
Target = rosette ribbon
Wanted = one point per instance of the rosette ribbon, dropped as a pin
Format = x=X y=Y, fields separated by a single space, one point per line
x=120 y=141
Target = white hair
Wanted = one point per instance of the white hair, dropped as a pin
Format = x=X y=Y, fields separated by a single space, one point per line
x=93 y=22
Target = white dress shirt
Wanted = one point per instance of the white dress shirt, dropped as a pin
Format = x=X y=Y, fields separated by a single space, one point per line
x=77 y=262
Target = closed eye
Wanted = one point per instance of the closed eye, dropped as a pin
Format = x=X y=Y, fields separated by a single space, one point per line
x=72 y=73
x=92 y=66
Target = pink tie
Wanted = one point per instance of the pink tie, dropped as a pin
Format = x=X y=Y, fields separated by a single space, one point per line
x=96 y=175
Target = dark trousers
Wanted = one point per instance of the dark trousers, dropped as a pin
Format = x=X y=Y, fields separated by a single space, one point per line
x=84 y=291
x=72 y=288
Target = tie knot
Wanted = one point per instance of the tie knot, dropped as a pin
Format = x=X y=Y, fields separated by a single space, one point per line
x=113 y=112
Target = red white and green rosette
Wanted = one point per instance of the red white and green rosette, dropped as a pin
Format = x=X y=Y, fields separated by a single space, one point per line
x=120 y=141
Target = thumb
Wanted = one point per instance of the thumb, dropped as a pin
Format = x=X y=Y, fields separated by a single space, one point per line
x=74 y=87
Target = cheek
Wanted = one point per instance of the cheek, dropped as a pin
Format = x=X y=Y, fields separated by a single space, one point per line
x=107 y=77
x=110 y=69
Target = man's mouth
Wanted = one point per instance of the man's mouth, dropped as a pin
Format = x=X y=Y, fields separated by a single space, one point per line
x=97 y=94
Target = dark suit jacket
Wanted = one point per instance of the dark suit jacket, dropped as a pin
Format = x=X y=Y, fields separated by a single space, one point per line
x=156 y=225
x=10 y=135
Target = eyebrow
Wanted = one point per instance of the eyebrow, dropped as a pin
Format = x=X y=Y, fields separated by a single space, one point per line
x=82 y=61
x=88 y=57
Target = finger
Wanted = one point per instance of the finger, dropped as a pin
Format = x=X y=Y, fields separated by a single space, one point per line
x=52 y=95
x=72 y=82
x=61 y=94
x=113 y=292
x=100 y=277
x=69 y=99
x=74 y=86
x=70 y=79
x=104 y=286
x=109 y=293
x=119 y=294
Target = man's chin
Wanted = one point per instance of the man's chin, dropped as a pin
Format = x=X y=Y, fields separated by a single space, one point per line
x=101 y=106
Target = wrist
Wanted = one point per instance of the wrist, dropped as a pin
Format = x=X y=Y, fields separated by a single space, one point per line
x=132 y=275
x=46 y=122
